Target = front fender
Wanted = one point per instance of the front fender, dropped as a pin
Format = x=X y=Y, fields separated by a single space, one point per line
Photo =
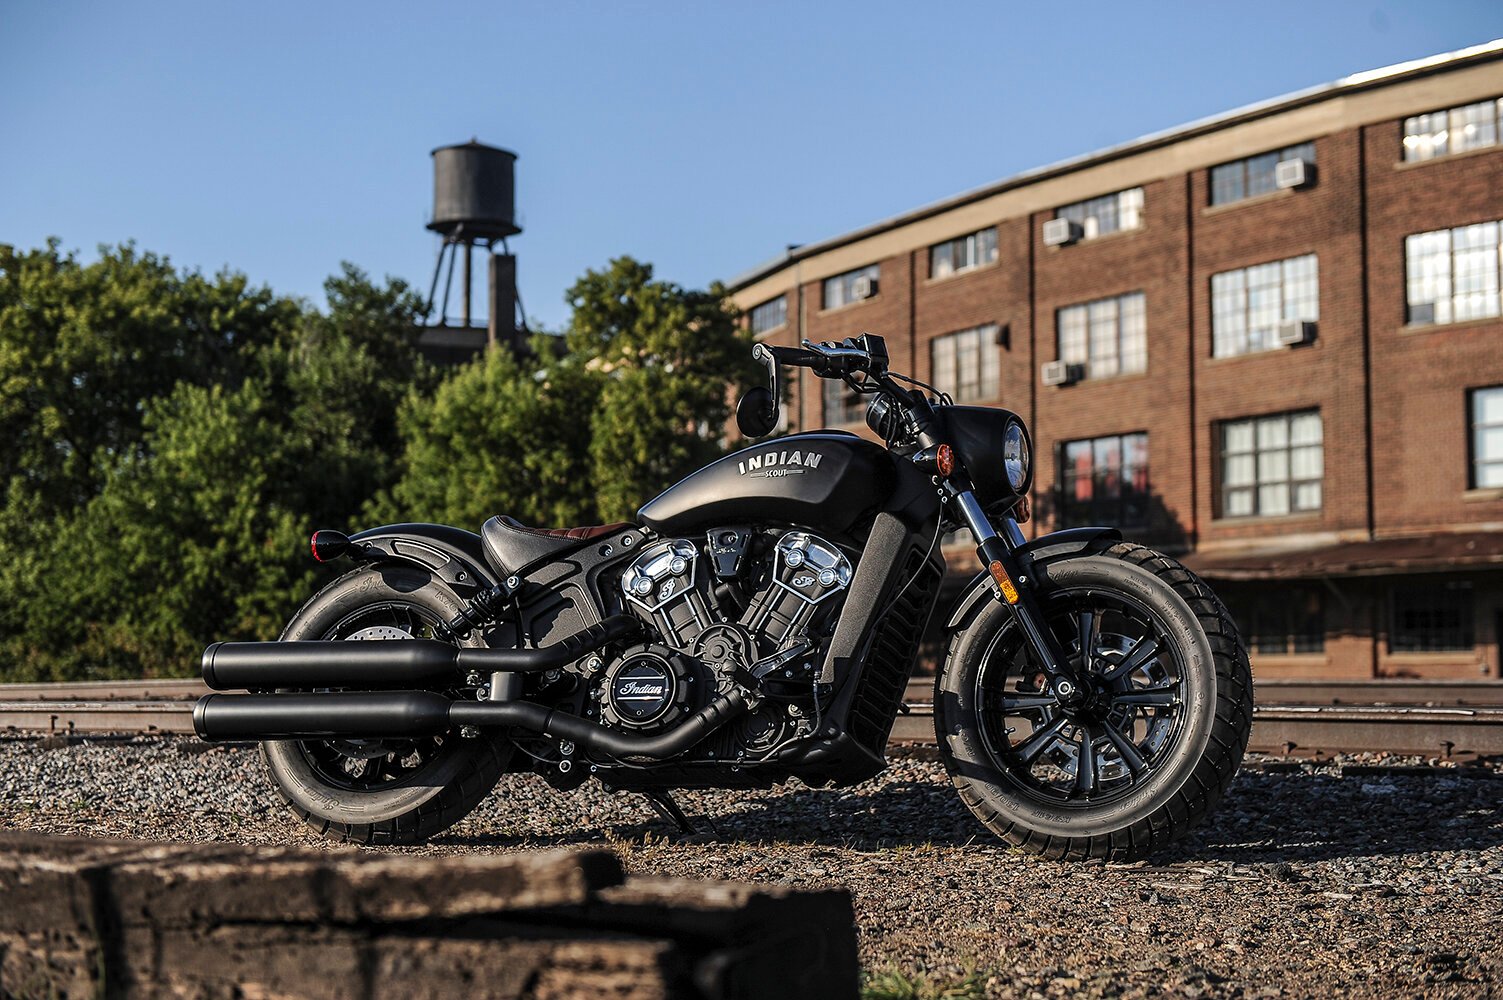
x=1043 y=549
x=455 y=556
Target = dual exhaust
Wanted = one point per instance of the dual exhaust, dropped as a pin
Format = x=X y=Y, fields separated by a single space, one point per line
x=382 y=706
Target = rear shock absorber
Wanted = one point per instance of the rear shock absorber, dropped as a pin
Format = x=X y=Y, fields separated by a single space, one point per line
x=479 y=611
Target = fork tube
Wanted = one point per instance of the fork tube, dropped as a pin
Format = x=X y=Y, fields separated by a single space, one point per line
x=996 y=553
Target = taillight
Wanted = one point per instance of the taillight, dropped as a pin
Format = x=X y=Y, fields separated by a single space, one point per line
x=327 y=545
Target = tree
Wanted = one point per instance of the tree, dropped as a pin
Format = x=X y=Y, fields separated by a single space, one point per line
x=83 y=346
x=671 y=359
x=197 y=529
x=500 y=436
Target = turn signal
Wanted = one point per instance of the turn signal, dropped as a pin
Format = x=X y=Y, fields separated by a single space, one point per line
x=327 y=545
x=1009 y=592
x=944 y=459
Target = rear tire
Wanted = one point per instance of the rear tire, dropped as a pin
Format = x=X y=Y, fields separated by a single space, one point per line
x=1158 y=771
x=449 y=775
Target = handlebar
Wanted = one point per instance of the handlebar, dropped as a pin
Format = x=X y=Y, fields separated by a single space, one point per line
x=827 y=360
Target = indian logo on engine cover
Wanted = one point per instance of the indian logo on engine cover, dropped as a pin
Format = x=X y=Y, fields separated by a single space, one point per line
x=774 y=464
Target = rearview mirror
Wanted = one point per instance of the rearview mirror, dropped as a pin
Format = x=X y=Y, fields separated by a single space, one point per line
x=757 y=412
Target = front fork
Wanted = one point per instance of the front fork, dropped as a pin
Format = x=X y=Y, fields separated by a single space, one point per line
x=1014 y=587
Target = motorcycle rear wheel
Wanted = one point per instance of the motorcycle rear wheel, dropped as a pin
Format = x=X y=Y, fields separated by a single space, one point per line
x=382 y=791
x=1173 y=717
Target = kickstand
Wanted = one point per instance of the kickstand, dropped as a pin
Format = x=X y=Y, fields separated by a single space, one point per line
x=663 y=804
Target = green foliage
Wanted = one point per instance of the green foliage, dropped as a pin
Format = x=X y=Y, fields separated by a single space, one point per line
x=188 y=520
x=172 y=440
x=893 y=983
x=671 y=359
x=498 y=437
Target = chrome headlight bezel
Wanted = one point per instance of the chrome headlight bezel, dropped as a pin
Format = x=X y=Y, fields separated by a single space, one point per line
x=1017 y=455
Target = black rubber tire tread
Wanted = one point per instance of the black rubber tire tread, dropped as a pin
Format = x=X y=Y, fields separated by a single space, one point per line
x=1213 y=773
x=480 y=765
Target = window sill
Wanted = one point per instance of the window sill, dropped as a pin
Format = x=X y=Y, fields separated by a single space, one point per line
x=1261 y=353
x=760 y=337
x=1094 y=240
x=931 y=280
x=1251 y=520
x=1290 y=659
x=1458 y=324
x=1257 y=199
x=1447 y=157
x=1103 y=380
x=1465 y=654
x=848 y=305
x=1482 y=495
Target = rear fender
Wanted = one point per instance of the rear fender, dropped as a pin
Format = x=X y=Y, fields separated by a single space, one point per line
x=1042 y=550
x=453 y=555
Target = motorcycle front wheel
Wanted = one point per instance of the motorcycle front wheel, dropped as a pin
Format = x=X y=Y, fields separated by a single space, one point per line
x=1161 y=741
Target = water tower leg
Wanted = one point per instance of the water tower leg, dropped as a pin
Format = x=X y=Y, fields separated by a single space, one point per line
x=467 y=270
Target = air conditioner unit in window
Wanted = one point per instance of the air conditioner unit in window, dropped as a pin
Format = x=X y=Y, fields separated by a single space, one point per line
x=1293 y=174
x=1059 y=232
x=1292 y=333
x=1061 y=373
x=863 y=287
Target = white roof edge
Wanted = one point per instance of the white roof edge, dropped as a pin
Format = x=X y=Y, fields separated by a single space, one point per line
x=1258 y=108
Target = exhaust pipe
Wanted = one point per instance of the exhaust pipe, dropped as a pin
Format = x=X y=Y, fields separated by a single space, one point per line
x=392 y=665
x=401 y=714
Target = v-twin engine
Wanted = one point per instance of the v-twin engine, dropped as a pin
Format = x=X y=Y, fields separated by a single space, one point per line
x=775 y=600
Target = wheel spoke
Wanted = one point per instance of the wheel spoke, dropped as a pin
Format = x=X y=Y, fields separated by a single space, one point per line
x=1128 y=751
x=1086 y=629
x=1160 y=696
x=1085 y=762
x=1142 y=651
x=1028 y=751
x=1026 y=702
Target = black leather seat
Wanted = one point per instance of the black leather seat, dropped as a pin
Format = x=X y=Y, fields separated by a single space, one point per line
x=512 y=546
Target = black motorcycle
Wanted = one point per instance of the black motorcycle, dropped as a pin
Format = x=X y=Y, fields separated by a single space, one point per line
x=759 y=622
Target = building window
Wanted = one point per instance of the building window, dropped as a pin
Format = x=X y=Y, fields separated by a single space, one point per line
x=1107 y=214
x=1452 y=275
x=963 y=253
x=1108 y=336
x=1454 y=130
x=852 y=286
x=1255 y=175
x=1271 y=465
x=769 y=315
x=966 y=364
x=1104 y=481
x=1280 y=621
x=843 y=405
x=1247 y=305
x=1486 y=418
x=1434 y=617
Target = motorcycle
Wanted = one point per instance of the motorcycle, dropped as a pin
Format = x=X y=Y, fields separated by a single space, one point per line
x=758 y=622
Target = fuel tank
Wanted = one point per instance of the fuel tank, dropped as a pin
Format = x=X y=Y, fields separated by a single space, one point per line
x=826 y=481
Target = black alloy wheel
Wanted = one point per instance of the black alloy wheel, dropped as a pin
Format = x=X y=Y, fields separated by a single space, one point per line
x=1098 y=753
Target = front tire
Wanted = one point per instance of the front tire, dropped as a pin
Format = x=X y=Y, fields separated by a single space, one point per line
x=382 y=791
x=1172 y=723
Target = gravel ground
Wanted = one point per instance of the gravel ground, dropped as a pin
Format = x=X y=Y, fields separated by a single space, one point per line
x=1359 y=876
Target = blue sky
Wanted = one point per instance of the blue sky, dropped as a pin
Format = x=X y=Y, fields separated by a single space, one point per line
x=280 y=138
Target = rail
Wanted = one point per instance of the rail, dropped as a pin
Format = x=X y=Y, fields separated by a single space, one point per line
x=1300 y=718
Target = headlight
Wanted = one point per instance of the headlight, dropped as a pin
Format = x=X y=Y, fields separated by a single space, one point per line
x=1015 y=456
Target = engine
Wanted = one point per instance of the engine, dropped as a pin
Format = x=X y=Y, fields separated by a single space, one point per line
x=743 y=606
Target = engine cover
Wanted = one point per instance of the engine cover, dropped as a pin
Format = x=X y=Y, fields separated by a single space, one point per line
x=648 y=688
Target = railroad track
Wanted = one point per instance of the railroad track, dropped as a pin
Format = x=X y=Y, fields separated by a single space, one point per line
x=1300 y=718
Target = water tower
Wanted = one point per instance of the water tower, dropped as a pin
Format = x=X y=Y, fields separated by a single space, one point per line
x=474 y=204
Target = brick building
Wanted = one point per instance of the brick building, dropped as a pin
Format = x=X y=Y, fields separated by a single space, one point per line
x=1269 y=341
